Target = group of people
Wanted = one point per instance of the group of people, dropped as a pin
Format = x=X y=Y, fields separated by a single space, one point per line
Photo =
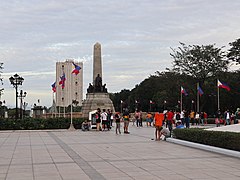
x=104 y=120
x=139 y=120
x=164 y=121
x=227 y=117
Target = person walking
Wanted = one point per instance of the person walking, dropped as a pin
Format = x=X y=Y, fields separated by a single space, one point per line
x=149 y=119
x=192 y=115
x=98 y=119
x=197 y=117
x=227 y=117
x=104 y=120
x=109 y=122
x=137 y=117
x=126 y=121
x=187 y=121
x=170 y=116
x=117 y=120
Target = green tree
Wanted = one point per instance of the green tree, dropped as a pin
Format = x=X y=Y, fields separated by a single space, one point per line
x=199 y=62
x=234 y=51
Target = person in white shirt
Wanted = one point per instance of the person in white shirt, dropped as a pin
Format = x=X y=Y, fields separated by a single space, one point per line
x=227 y=117
x=104 y=120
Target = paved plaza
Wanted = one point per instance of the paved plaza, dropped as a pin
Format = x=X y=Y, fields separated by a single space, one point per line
x=70 y=155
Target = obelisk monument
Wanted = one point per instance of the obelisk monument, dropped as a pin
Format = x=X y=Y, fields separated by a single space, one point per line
x=97 y=61
x=97 y=95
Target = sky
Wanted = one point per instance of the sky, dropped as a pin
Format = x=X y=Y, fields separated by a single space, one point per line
x=136 y=38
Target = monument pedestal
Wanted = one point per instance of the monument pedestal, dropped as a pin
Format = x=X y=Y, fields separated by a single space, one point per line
x=94 y=101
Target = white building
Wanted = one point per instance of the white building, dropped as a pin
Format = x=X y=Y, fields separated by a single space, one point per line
x=73 y=84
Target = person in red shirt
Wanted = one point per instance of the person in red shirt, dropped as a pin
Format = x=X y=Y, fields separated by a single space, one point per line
x=205 y=117
x=170 y=116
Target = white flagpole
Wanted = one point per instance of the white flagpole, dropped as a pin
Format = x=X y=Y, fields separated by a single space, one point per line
x=181 y=99
x=71 y=124
x=218 y=96
x=197 y=97
x=71 y=97
x=53 y=104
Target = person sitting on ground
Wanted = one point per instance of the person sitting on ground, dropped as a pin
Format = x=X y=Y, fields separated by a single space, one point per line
x=164 y=133
x=85 y=126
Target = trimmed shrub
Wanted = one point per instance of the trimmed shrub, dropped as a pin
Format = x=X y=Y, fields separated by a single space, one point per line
x=227 y=140
x=35 y=124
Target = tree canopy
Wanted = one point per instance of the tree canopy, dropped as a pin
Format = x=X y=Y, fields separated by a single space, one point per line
x=234 y=51
x=191 y=64
x=199 y=62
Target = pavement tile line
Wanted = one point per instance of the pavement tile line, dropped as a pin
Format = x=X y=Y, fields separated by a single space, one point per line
x=15 y=147
x=84 y=165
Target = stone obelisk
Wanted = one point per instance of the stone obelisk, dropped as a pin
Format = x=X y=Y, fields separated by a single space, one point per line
x=97 y=61
x=97 y=95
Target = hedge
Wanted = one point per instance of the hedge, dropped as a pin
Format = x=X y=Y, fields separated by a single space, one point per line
x=35 y=124
x=227 y=140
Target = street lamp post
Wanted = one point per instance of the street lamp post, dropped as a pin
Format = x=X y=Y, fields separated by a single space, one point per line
x=21 y=96
x=24 y=108
x=16 y=81
x=164 y=105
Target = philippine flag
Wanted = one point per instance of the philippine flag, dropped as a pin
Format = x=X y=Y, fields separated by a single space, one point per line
x=223 y=85
x=76 y=69
x=200 y=91
x=54 y=87
x=183 y=91
x=62 y=81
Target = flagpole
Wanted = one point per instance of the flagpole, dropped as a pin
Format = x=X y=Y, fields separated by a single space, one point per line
x=197 y=97
x=181 y=100
x=53 y=104
x=150 y=106
x=71 y=128
x=218 y=98
x=63 y=103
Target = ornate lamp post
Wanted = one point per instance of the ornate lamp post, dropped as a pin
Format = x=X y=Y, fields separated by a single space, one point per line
x=16 y=81
x=21 y=96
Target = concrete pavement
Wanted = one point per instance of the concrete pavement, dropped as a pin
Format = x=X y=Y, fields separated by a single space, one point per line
x=70 y=155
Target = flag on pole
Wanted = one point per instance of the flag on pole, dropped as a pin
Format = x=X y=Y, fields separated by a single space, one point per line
x=223 y=85
x=54 y=87
x=183 y=91
x=62 y=80
x=200 y=91
x=76 y=69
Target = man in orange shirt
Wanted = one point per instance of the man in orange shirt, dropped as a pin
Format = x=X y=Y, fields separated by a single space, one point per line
x=158 y=122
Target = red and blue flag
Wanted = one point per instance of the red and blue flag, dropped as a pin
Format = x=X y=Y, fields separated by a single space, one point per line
x=183 y=91
x=54 y=87
x=223 y=85
x=76 y=69
x=62 y=80
x=200 y=91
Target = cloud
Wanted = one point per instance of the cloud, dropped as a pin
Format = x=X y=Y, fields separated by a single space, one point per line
x=136 y=37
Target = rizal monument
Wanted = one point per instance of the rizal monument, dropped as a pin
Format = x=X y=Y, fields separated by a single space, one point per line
x=97 y=95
